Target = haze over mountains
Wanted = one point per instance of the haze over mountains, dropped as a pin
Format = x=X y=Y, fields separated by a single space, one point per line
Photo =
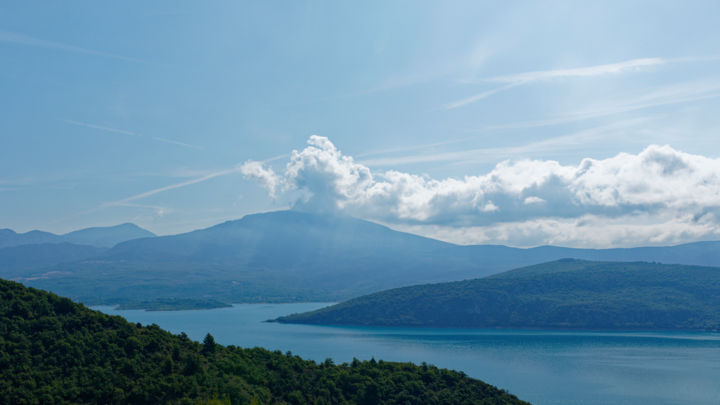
x=287 y=256
x=23 y=252
x=103 y=237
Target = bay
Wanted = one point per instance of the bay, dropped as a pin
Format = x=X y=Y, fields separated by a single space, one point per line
x=541 y=366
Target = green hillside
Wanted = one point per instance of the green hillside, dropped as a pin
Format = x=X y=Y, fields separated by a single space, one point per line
x=54 y=351
x=561 y=294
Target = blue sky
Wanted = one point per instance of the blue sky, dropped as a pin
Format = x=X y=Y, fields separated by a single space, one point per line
x=149 y=112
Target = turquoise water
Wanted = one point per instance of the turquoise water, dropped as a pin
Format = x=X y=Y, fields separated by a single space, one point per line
x=541 y=366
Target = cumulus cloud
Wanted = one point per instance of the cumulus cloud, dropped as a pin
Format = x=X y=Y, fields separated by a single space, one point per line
x=266 y=176
x=658 y=195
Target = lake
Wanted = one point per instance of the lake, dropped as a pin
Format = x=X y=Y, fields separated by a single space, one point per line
x=541 y=366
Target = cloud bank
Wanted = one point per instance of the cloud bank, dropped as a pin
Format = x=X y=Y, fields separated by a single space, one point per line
x=658 y=196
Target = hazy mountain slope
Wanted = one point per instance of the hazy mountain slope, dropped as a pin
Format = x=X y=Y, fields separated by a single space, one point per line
x=8 y=238
x=54 y=351
x=103 y=237
x=697 y=253
x=299 y=236
x=561 y=294
x=107 y=236
x=21 y=253
x=18 y=260
x=299 y=256
x=279 y=256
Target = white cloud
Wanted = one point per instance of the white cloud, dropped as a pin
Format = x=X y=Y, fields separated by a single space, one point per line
x=660 y=194
x=533 y=200
x=266 y=176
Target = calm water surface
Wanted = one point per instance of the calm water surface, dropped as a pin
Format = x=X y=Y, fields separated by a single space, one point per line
x=541 y=366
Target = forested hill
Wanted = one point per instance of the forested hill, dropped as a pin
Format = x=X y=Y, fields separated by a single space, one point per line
x=561 y=294
x=54 y=351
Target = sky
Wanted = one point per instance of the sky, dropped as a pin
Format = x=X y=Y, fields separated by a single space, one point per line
x=517 y=123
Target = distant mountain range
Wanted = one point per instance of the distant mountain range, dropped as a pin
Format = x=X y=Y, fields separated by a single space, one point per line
x=287 y=256
x=21 y=253
x=562 y=294
x=104 y=237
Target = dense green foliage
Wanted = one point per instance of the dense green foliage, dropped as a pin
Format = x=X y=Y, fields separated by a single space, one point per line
x=561 y=294
x=175 y=304
x=54 y=351
x=291 y=256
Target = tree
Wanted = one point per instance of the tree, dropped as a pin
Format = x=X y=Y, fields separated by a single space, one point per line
x=208 y=344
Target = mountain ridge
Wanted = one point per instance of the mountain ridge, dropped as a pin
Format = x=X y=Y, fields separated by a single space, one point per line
x=107 y=236
x=99 y=236
x=292 y=256
x=564 y=294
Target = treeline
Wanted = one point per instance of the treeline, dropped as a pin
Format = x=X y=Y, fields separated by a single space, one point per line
x=175 y=304
x=54 y=351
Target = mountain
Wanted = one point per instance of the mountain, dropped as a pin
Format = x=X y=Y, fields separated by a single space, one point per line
x=103 y=237
x=696 y=253
x=24 y=253
x=54 y=351
x=108 y=236
x=302 y=240
x=287 y=256
x=562 y=294
x=8 y=238
x=278 y=256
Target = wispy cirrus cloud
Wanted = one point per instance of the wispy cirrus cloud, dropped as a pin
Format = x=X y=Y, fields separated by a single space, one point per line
x=579 y=140
x=101 y=128
x=678 y=93
x=173 y=142
x=200 y=177
x=17 y=38
x=587 y=71
x=174 y=186
x=661 y=96
x=130 y=133
x=519 y=79
x=160 y=210
x=479 y=96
